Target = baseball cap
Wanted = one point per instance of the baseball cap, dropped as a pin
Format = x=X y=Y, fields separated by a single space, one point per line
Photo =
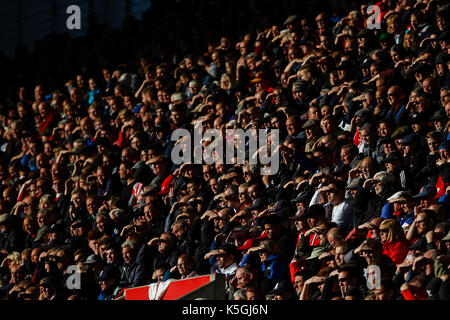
x=443 y=145
x=344 y=65
x=249 y=243
x=438 y=115
x=316 y=252
x=41 y=232
x=386 y=140
x=108 y=272
x=310 y=123
x=282 y=286
x=229 y=248
x=399 y=196
x=151 y=190
x=45 y=282
x=447 y=237
x=57 y=227
x=290 y=20
x=6 y=218
x=426 y=190
x=301 y=197
x=410 y=138
x=393 y=156
x=400 y=132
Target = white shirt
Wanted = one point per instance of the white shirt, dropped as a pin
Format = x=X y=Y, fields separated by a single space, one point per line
x=341 y=214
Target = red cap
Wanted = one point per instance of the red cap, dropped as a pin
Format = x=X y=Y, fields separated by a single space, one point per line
x=249 y=243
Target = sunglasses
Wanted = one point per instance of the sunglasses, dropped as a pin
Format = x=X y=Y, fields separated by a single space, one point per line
x=343 y=280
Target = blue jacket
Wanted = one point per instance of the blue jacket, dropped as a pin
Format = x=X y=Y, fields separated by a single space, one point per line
x=273 y=269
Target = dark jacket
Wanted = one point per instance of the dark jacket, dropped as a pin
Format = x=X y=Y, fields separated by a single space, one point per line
x=12 y=241
x=133 y=275
x=369 y=205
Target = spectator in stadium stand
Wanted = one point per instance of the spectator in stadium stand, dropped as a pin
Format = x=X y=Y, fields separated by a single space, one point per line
x=87 y=175
x=394 y=241
x=108 y=281
x=132 y=273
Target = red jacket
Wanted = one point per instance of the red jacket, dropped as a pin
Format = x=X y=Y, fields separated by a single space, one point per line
x=408 y=295
x=397 y=251
x=48 y=121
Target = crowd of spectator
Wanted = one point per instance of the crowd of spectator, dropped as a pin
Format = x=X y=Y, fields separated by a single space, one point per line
x=358 y=210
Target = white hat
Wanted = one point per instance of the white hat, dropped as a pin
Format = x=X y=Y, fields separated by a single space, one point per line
x=399 y=196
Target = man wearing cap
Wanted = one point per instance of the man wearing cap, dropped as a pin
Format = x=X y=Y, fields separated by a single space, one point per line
x=439 y=121
x=312 y=133
x=109 y=283
x=403 y=209
x=426 y=196
x=302 y=93
x=414 y=157
x=394 y=164
x=50 y=288
x=372 y=197
x=291 y=23
x=56 y=235
x=94 y=264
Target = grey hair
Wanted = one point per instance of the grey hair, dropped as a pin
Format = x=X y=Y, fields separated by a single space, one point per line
x=130 y=244
x=385 y=177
